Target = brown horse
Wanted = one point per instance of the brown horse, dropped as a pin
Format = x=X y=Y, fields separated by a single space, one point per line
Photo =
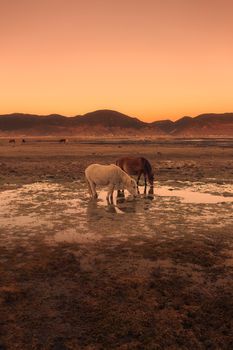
x=137 y=166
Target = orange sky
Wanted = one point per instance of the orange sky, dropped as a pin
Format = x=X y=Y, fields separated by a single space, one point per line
x=153 y=59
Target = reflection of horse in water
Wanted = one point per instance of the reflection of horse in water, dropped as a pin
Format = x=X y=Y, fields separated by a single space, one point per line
x=125 y=205
x=137 y=166
x=98 y=212
x=100 y=209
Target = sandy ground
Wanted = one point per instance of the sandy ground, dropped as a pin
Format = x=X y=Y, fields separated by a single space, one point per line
x=151 y=273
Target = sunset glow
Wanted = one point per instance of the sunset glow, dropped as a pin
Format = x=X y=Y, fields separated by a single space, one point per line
x=152 y=59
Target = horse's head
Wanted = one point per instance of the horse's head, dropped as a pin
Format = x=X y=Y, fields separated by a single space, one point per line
x=132 y=187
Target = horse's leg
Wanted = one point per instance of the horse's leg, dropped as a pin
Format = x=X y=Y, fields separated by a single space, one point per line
x=93 y=188
x=139 y=175
x=89 y=187
x=110 y=193
x=145 y=178
x=111 y=199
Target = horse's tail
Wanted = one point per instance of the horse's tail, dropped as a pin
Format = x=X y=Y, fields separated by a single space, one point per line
x=147 y=166
x=149 y=170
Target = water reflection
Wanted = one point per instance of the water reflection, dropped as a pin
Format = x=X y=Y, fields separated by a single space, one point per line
x=95 y=209
x=122 y=203
x=150 y=193
x=140 y=203
x=53 y=208
x=105 y=219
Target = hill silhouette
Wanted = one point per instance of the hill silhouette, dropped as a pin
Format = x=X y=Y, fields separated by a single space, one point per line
x=108 y=122
x=204 y=125
x=109 y=119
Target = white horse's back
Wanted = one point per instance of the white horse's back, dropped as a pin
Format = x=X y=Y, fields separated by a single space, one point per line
x=103 y=174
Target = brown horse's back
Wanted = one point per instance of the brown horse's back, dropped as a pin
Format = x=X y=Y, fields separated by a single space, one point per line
x=130 y=165
x=136 y=166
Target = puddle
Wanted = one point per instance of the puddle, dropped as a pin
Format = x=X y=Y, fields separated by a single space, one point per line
x=190 y=196
x=169 y=193
x=64 y=212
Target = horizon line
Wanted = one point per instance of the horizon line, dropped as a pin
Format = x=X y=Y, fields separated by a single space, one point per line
x=112 y=110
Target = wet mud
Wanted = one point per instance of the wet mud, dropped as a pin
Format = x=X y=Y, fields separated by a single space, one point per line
x=153 y=272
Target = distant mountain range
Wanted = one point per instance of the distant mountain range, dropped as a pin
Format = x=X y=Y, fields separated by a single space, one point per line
x=112 y=123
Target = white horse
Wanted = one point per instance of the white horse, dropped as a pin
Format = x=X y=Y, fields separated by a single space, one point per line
x=109 y=175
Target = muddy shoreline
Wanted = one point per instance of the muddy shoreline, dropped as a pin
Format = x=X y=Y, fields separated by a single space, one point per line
x=154 y=273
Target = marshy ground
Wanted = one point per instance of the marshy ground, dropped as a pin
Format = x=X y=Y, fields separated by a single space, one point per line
x=151 y=273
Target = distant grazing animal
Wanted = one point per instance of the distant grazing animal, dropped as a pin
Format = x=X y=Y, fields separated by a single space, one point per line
x=137 y=166
x=63 y=140
x=23 y=141
x=12 y=141
x=111 y=176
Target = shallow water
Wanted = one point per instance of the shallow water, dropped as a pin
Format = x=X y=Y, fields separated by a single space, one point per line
x=190 y=196
x=57 y=213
